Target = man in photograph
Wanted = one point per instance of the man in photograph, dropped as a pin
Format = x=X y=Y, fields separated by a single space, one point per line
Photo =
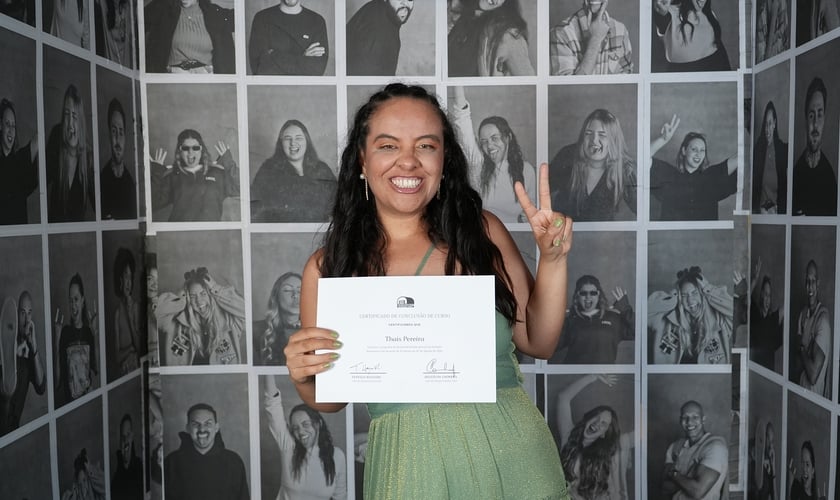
x=813 y=332
x=373 y=37
x=22 y=365
x=695 y=465
x=288 y=39
x=115 y=181
x=202 y=467
x=127 y=482
x=814 y=182
x=590 y=42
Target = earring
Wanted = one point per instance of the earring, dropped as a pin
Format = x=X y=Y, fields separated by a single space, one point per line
x=367 y=196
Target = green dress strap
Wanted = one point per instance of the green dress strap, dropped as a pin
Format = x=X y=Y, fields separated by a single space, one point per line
x=424 y=260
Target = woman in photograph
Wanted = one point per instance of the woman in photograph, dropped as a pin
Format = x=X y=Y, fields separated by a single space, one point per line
x=71 y=196
x=691 y=35
x=189 y=36
x=194 y=187
x=692 y=324
x=769 y=182
x=595 y=454
x=88 y=480
x=495 y=160
x=389 y=219
x=204 y=324
x=70 y=21
x=593 y=329
x=127 y=343
x=311 y=466
x=294 y=185
x=114 y=22
x=762 y=466
x=281 y=320
x=18 y=168
x=805 y=487
x=490 y=38
x=772 y=29
x=76 y=363
x=595 y=178
x=691 y=189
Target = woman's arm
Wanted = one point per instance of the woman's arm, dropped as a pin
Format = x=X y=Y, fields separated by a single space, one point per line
x=273 y=403
x=564 y=405
x=460 y=114
x=666 y=133
x=513 y=52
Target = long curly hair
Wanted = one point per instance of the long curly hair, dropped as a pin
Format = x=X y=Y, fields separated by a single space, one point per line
x=681 y=156
x=84 y=164
x=694 y=276
x=325 y=445
x=310 y=156
x=686 y=9
x=505 y=19
x=594 y=461
x=355 y=242
x=514 y=156
x=198 y=326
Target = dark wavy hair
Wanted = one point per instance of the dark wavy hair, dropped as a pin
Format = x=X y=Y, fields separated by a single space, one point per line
x=762 y=139
x=806 y=445
x=588 y=279
x=191 y=134
x=681 y=156
x=6 y=104
x=76 y=279
x=123 y=259
x=514 y=156
x=686 y=8
x=595 y=459
x=497 y=22
x=310 y=156
x=325 y=445
x=355 y=242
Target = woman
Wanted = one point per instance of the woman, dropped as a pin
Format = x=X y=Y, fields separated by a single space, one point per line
x=692 y=189
x=595 y=178
x=194 y=187
x=772 y=29
x=189 y=36
x=294 y=185
x=490 y=38
x=202 y=325
x=593 y=329
x=127 y=344
x=497 y=164
x=692 y=325
x=18 y=168
x=804 y=487
x=422 y=217
x=71 y=196
x=595 y=454
x=311 y=466
x=691 y=34
x=762 y=467
x=769 y=184
x=76 y=360
x=281 y=320
x=70 y=21
x=114 y=21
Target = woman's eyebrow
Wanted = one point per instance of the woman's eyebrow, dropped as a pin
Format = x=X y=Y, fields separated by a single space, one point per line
x=433 y=137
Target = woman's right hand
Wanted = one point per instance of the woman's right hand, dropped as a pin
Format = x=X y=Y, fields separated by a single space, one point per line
x=160 y=156
x=301 y=360
x=661 y=6
x=668 y=129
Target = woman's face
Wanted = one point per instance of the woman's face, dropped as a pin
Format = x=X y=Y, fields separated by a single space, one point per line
x=294 y=143
x=487 y=5
x=493 y=143
x=190 y=151
x=695 y=153
x=77 y=303
x=691 y=299
x=199 y=300
x=126 y=281
x=70 y=123
x=595 y=141
x=304 y=430
x=290 y=295
x=587 y=298
x=8 y=129
x=769 y=126
x=807 y=465
x=596 y=427
x=152 y=283
x=403 y=156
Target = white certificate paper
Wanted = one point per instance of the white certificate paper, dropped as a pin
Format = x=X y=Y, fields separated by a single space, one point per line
x=409 y=339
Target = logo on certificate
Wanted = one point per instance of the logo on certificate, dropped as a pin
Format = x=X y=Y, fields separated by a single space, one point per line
x=405 y=302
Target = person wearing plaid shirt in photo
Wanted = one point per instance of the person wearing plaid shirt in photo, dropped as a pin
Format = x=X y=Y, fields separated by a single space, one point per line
x=590 y=42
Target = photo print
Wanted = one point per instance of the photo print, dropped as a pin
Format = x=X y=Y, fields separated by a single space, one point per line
x=115 y=25
x=80 y=451
x=125 y=438
x=118 y=170
x=808 y=458
x=814 y=19
x=772 y=128
x=690 y=36
x=773 y=22
x=21 y=10
x=68 y=20
x=765 y=464
x=767 y=296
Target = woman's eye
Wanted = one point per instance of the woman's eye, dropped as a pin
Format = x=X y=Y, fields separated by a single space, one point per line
x=428 y=147
x=387 y=146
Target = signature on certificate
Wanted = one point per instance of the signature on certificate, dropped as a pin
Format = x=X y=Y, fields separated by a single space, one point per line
x=366 y=367
x=435 y=366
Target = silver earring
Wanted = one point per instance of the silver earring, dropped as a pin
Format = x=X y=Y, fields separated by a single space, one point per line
x=367 y=196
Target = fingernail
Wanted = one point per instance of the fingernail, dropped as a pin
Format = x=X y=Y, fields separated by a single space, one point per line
x=327 y=366
x=337 y=344
x=559 y=222
x=556 y=242
x=334 y=356
x=334 y=334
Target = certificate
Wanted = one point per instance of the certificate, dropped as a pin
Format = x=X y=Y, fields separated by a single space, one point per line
x=409 y=339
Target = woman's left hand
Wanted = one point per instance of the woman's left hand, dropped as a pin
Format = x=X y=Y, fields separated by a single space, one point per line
x=552 y=230
x=221 y=148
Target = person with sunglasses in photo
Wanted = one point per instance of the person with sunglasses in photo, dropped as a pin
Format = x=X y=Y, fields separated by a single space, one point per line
x=194 y=187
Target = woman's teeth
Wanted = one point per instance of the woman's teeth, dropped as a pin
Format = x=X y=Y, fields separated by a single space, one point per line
x=406 y=183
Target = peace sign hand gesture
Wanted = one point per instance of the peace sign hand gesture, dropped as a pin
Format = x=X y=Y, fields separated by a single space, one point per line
x=552 y=230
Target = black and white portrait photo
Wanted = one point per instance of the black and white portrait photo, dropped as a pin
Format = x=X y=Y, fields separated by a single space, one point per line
x=593 y=37
x=21 y=10
x=71 y=195
x=767 y=296
x=690 y=303
x=194 y=152
x=115 y=24
x=815 y=141
x=301 y=449
x=27 y=457
x=292 y=152
x=23 y=339
x=812 y=301
x=200 y=304
x=815 y=18
x=118 y=170
x=773 y=21
x=700 y=35
x=766 y=464
x=491 y=38
x=808 y=449
x=206 y=446
x=189 y=36
x=125 y=438
x=592 y=419
x=740 y=267
x=389 y=38
x=19 y=197
x=80 y=451
x=74 y=299
x=592 y=146
x=694 y=150
x=772 y=125
x=277 y=262
x=495 y=127
x=290 y=37
x=600 y=326
x=68 y=20
x=692 y=419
